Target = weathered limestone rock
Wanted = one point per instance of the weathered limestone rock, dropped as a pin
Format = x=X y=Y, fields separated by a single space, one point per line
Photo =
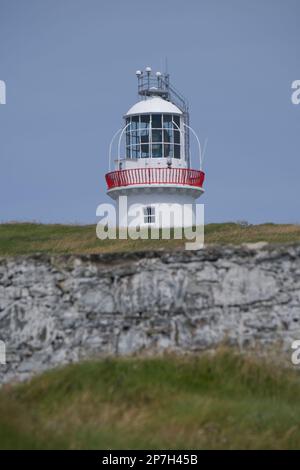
x=56 y=310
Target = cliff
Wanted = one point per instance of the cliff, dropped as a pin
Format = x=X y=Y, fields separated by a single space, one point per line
x=60 y=309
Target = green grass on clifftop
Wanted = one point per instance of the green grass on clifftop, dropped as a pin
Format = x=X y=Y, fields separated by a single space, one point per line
x=28 y=238
x=207 y=402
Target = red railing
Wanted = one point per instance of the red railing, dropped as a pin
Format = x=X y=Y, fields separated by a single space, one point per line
x=181 y=176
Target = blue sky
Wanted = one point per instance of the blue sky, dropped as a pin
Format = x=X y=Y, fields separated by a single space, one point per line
x=69 y=68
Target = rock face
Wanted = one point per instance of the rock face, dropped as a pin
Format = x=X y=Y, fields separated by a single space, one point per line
x=56 y=310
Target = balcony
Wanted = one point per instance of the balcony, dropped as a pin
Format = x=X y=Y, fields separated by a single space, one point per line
x=155 y=176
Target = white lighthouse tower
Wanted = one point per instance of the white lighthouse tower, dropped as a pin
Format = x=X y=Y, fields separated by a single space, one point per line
x=153 y=166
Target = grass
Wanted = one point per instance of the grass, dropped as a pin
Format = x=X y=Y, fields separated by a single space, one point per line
x=28 y=238
x=224 y=401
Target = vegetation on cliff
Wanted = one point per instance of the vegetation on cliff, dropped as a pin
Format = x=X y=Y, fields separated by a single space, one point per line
x=29 y=238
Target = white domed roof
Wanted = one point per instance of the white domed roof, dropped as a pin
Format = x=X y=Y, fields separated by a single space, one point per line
x=153 y=105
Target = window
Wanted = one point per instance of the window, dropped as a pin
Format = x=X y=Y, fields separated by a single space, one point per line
x=156 y=121
x=135 y=122
x=153 y=136
x=176 y=137
x=176 y=151
x=149 y=215
x=144 y=135
x=145 y=121
x=156 y=150
x=168 y=151
x=156 y=135
x=168 y=121
x=135 y=150
x=177 y=121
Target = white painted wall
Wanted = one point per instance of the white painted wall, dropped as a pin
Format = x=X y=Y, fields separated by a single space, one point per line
x=163 y=203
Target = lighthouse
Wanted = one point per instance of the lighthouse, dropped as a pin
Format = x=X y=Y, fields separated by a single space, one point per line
x=152 y=181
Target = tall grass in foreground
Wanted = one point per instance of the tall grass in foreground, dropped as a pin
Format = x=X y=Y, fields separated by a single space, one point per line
x=224 y=401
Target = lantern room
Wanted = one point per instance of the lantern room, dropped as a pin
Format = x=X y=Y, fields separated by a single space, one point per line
x=154 y=129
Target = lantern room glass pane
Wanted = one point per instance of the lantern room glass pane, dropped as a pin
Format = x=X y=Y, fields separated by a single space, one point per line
x=144 y=136
x=176 y=119
x=167 y=118
x=145 y=143
x=145 y=151
x=134 y=140
x=176 y=137
x=168 y=151
x=156 y=121
x=135 y=122
x=157 y=150
x=168 y=136
x=156 y=136
x=176 y=151
x=135 y=151
x=145 y=121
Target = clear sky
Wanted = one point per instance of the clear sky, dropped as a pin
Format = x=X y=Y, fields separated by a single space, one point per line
x=69 y=68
